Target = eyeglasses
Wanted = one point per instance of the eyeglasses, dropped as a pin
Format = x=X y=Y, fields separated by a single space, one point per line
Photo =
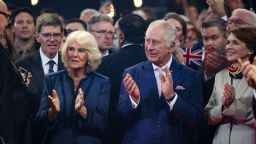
x=50 y=35
x=7 y=16
x=104 y=32
x=237 y=23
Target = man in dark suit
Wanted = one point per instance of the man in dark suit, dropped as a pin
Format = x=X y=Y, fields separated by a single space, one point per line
x=49 y=33
x=129 y=37
x=13 y=98
x=214 y=40
x=101 y=27
x=160 y=100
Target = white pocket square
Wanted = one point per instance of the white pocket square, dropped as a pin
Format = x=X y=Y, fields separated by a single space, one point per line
x=179 y=87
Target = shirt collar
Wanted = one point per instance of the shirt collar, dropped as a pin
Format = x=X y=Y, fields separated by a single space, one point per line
x=155 y=67
x=45 y=59
x=128 y=44
x=106 y=53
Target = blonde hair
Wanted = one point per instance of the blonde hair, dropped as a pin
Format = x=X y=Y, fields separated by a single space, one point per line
x=87 y=41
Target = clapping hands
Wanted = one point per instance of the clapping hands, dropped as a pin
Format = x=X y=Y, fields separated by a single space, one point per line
x=131 y=87
x=167 y=84
x=249 y=71
x=228 y=95
x=79 y=104
x=79 y=100
x=54 y=105
x=54 y=102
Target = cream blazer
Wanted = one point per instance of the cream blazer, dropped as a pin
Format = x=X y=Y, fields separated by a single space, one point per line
x=239 y=113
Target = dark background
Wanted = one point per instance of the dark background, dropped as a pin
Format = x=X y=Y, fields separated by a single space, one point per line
x=72 y=8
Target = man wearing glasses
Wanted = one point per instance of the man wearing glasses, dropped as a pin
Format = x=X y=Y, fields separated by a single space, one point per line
x=13 y=98
x=101 y=27
x=49 y=33
x=241 y=17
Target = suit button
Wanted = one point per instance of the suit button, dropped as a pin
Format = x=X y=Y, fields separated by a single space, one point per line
x=158 y=126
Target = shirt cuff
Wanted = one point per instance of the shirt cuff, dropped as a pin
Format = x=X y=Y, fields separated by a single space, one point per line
x=134 y=104
x=172 y=102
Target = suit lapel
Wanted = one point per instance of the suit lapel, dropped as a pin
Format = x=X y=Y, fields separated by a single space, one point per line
x=60 y=63
x=176 y=74
x=241 y=88
x=149 y=79
x=38 y=69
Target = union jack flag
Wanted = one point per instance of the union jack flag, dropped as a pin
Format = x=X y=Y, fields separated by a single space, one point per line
x=193 y=57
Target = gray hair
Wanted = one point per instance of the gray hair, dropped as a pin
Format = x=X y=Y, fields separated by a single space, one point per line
x=252 y=15
x=170 y=34
x=49 y=19
x=88 y=11
x=97 y=19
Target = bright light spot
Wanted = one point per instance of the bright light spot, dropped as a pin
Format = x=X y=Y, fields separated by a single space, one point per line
x=34 y=2
x=112 y=11
x=138 y=3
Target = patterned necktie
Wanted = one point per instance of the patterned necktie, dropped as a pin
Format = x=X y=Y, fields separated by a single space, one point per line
x=158 y=81
x=51 y=64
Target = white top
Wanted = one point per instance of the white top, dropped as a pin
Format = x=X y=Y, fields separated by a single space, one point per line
x=45 y=60
x=157 y=71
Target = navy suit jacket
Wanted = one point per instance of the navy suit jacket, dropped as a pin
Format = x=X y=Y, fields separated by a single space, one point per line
x=69 y=127
x=152 y=122
x=113 y=67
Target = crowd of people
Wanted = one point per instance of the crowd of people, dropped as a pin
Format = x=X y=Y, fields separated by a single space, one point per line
x=175 y=79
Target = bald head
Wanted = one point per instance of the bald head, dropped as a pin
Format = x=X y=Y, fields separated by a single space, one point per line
x=4 y=16
x=3 y=8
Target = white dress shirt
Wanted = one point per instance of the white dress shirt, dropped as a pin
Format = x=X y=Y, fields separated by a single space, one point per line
x=45 y=60
x=157 y=71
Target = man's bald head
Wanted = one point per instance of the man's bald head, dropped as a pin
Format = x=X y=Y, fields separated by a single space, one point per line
x=3 y=8
x=4 y=16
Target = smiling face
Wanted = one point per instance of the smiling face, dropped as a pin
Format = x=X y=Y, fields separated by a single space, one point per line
x=156 y=47
x=236 y=49
x=77 y=56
